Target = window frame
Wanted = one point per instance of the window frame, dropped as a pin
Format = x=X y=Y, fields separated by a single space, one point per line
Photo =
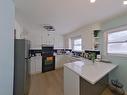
x=76 y=38
x=121 y=28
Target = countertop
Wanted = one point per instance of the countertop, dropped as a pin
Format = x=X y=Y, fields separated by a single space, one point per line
x=89 y=71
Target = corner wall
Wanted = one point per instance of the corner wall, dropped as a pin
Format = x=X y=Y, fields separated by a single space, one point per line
x=19 y=29
x=121 y=72
x=6 y=46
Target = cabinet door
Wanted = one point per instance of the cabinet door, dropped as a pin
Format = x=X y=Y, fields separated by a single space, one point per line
x=48 y=38
x=38 y=63
x=71 y=82
x=32 y=65
x=59 y=61
x=58 y=42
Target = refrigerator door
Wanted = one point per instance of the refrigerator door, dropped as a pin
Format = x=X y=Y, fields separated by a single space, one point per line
x=27 y=77
x=21 y=67
x=27 y=48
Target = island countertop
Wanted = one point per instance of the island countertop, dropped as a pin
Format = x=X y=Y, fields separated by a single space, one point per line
x=89 y=71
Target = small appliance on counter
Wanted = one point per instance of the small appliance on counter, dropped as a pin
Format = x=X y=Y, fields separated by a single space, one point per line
x=48 y=59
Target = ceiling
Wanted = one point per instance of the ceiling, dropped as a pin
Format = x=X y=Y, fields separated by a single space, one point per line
x=67 y=15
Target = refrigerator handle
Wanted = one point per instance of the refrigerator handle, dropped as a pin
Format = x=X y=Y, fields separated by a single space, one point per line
x=28 y=58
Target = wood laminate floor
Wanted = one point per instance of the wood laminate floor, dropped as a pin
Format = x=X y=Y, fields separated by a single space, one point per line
x=107 y=92
x=50 y=83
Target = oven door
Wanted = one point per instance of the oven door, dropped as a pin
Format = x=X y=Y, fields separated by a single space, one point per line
x=48 y=63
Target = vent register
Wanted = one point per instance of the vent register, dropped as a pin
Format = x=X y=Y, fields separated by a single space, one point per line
x=49 y=27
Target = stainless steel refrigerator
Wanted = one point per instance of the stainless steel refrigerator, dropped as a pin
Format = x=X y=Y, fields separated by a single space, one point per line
x=21 y=67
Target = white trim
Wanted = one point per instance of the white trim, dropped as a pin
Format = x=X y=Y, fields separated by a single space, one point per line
x=117 y=55
x=122 y=28
x=76 y=38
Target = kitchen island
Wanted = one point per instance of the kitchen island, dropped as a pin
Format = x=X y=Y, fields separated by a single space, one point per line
x=86 y=78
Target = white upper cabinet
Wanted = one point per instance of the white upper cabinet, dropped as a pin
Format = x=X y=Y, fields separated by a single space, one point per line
x=47 y=37
x=51 y=38
x=59 y=42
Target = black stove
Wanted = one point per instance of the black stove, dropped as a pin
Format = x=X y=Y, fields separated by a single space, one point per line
x=48 y=59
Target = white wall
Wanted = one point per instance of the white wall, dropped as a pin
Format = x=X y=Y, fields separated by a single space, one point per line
x=86 y=34
x=19 y=29
x=6 y=47
x=120 y=72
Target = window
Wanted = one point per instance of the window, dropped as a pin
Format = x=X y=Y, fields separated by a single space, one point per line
x=117 y=42
x=77 y=44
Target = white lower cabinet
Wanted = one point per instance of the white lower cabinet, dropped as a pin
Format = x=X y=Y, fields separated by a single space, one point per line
x=71 y=82
x=32 y=65
x=36 y=64
x=59 y=61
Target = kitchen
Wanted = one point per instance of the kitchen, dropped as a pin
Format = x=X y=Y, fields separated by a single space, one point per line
x=63 y=47
x=66 y=55
x=89 y=40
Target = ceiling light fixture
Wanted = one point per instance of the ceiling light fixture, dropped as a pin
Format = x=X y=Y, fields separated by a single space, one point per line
x=125 y=2
x=92 y=1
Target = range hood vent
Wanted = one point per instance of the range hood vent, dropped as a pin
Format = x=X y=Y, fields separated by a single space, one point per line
x=49 y=28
